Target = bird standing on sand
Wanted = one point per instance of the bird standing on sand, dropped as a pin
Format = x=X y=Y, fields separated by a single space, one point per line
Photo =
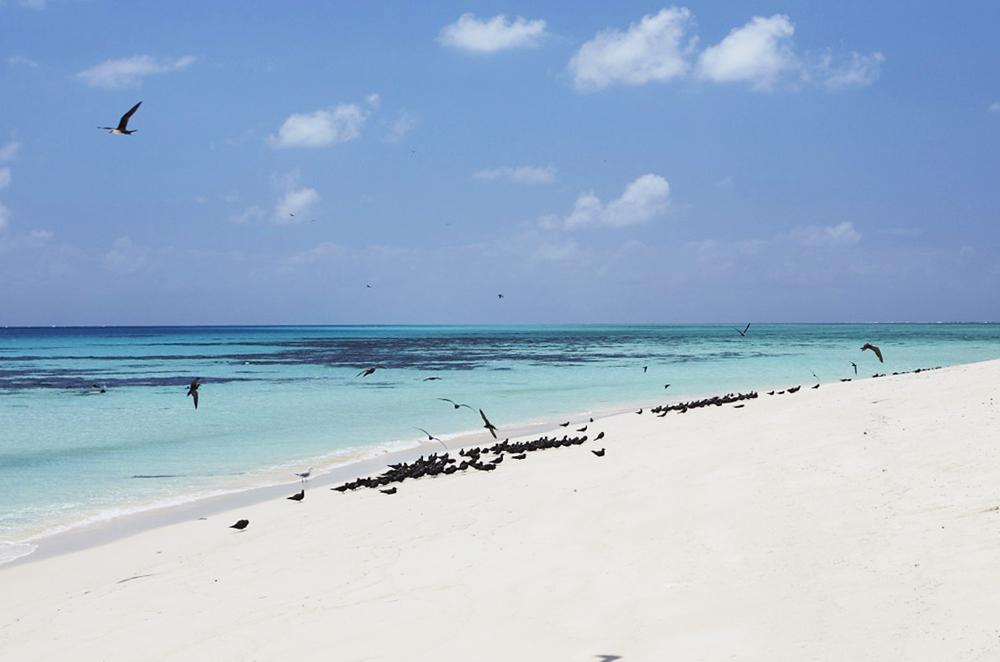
x=878 y=352
x=305 y=474
x=122 y=128
x=240 y=524
x=743 y=333
x=193 y=390
x=297 y=497
x=391 y=490
x=489 y=426
x=365 y=372
x=599 y=453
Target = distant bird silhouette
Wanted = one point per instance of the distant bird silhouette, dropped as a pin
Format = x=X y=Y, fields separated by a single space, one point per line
x=391 y=490
x=666 y=386
x=770 y=392
x=193 y=390
x=122 y=128
x=564 y=425
x=431 y=379
x=645 y=368
x=738 y=406
x=599 y=453
x=639 y=412
x=878 y=352
x=743 y=333
x=489 y=426
x=456 y=404
x=499 y=296
x=583 y=429
x=305 y=474
x=816 y=386
x=365 y=372
x=431 y=437
x=297 y=497
x=99 y=388
x=855 y=368
x=369 y=286
x=794 y=389
x=520 y=456
x=600 y=435
x=240 y=524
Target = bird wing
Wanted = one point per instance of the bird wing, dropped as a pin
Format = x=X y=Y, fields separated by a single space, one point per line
x=747 y=327
x=123 y=122
x=878 y=353
x=422 y=430
x=447 y=400
x=194 y=394
x=363 y=372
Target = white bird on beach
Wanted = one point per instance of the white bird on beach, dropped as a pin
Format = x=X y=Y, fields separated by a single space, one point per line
x=305 y=474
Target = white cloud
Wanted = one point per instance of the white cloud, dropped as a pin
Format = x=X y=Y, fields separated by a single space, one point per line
x=40 y=236
x=293 y=204
x=499 y=33
x=248 y=215
x=650 y=50
x=321 y=128
x=756 y=53
x=374 y=99
x=129 y=71
x=519 y=174
x=125 y=257
x=4 y=217
x=404 y=122
x=15 y=60
x=4 y=178
x=842 y=234
x=9 y=151
x=856 y=71
x=995 y=107
x=643 y=199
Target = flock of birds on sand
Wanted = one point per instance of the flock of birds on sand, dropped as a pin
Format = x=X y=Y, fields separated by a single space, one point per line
x=489 y=458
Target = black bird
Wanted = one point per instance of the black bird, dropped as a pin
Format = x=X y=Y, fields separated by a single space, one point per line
x=591 y=419
x=365 y=372
x=770 y=392
x=600 y=435
x=855 y=368
x=489 y=426
x=193 y=390
x=431 y=437
x=122 y=128
x=639 y=412
x=240 y=524
x=583 y=429
x=391 y=490
x=297 y=497
x=666 y=386
x=878 y=352
x=564 y=425
x=520 y=456
x=738 y=406
x=99 y=388
x=743 y=333
x=599 y=453
x=499 y=296
x=816 y=386
x=368 y=286
x=645 y=368
x=431 y=379
x=456 y=404
x=794 y=389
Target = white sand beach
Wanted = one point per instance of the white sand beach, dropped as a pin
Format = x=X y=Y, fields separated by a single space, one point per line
x=855 y=522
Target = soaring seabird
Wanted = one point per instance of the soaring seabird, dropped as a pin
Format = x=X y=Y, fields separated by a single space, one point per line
x=489 y=426
x=365 y=372
x=744 y=331
x=878 y=352
x=193 y=390
x=122 y=128
x=855 y=368
x=456 y=404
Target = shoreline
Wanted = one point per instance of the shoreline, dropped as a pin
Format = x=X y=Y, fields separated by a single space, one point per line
x=857 y=521
x=100 y=529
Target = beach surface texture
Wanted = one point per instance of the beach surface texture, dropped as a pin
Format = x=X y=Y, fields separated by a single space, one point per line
x=857 y=521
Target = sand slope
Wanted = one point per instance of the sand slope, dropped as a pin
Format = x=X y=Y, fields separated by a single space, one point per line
x=854 y=522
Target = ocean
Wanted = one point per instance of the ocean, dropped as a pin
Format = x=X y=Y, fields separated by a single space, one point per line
x=279 y=399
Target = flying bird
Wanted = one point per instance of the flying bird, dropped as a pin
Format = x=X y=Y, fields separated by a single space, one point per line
x=855 y=368
x=297 y=497
x=743 y=333
x=599 y=453
x=431 y=437
x=456 y=404
x=499 y=296
x=240 y=524
x=365 y=372
x=193 y=390
x=489 y=426
x=645 y=368
x=666 y=386
x=878 y=352
x=432 y=379
x=122 y=128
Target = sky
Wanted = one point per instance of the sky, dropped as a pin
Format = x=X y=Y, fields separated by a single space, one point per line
x=592 y=161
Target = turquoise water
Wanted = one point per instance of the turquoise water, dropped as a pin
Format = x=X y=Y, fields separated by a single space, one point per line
x=277 y=398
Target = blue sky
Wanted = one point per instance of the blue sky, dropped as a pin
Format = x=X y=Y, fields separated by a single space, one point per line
x=595 y=162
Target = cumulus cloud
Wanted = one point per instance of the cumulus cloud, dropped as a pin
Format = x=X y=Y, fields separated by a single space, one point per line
x=129 y=71
x=321 y=128
x=842 y=234
x=643 y=199
x=293 y=204
x=9 y=151
x=4 y=178
x=650 y=50
x=854 y=70
x=756 y=53
x=520 y=174
x=476 y=35
x=374 y=99
x=404 y=122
